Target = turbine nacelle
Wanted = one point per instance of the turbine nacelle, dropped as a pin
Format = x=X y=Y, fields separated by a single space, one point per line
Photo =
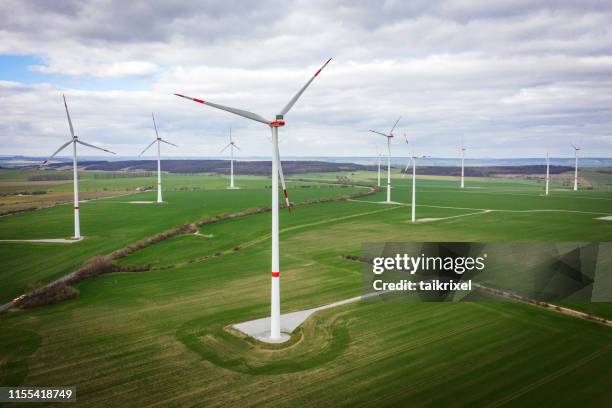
x=278 y=122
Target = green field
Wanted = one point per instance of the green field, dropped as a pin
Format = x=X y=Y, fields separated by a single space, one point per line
x=157 y=338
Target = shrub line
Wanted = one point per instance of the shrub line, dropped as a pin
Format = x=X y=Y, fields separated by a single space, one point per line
x=62 y=288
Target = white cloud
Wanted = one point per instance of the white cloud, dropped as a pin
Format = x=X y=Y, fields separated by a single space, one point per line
x=500 y=74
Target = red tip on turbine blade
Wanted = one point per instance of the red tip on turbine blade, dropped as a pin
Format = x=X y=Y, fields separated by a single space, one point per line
x=45 y=162
x=324 y=65
x=275 y=274
x=286 y=195
x=188 y=97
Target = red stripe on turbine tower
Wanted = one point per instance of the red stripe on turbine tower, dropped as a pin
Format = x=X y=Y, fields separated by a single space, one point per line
x=275 y=274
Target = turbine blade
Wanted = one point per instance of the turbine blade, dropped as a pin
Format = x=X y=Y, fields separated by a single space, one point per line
x=236 y=146
x=239 y=112
x=282 y=177
x=147 y=148
x=393 y=128
x=406 y=138
x=293 y=100
x=225 y=148
x=68 y=115
x=167 y=142
x=62 y=147
x=155 y=125
x=382 y=134
x=95 y=147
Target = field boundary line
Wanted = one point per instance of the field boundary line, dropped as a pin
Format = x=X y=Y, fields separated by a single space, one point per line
x=486 y=209
x=29 y=210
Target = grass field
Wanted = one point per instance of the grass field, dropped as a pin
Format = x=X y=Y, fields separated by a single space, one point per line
x=157 y=338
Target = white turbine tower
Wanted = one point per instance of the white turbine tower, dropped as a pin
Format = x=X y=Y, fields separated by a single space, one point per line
x=275 y=333
x=547 y=172
x=462 y=163
x=231 y=146
x=379 y=157
x=75 y=176
x=388 y=136
x=576 y=150
x=159 y=140
x=413 y=205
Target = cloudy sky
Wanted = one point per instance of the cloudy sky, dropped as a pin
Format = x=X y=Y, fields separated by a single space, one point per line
x=512 y=78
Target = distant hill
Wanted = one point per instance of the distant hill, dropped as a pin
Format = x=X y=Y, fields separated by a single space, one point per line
x=488 y=171
x=218 y=166
x=260 y=168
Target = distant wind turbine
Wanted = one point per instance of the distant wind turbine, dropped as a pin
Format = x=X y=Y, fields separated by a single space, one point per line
x=547 y=172
x=75 y=176
x=388 y=136
x=413 y=205
x=275 y=332
x=379 y=156
x=576 y=150
x=462 y=163
x=231 y=146
x=159 y=140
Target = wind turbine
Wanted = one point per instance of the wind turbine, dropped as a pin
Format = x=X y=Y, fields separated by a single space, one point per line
x=576 y=150
x=413 y=157
x=379 y=156
x=277 y=170
x=462 y=163
x=388 y=136
x=75 y=177
x=159 y=140
x=231 y=146
x=547 y=172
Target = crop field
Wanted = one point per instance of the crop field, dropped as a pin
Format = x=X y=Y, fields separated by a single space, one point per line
x=160 y=338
